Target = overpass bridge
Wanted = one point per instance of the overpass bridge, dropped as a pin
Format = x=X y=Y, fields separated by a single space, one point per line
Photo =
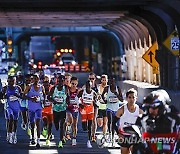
x=132 y=40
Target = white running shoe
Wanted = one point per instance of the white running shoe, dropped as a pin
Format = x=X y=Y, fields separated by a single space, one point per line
x=7 y=137
x=14 y=138
x=109 y=140
x=74 y=142
x=89 y=144
x=23 y=126
x=10 y=138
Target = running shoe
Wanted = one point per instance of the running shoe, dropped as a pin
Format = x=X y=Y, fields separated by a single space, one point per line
x=33 y=141
x=93 y=139
x=109 y=140
x=44 y=133
x=10 y=138
x=48 y=142
x=64 y=140
x=23 y=126
x=52 y=137
x=29 y=130
x=60 y=145
x=103 y=140
x=14 y=138
x=74 y=142
x=89 y=144
x=7 y=137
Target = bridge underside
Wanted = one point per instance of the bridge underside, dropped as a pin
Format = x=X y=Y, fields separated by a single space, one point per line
x=137 y=25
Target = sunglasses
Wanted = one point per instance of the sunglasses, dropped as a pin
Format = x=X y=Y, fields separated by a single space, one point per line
x=91 y=78
x=74 y=83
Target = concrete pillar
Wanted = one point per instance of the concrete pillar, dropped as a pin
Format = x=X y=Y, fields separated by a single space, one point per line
x=127 y=52
x=139 y=63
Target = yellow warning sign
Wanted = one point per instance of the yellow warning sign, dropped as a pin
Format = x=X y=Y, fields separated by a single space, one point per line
x=172 y=43
x=149 y=55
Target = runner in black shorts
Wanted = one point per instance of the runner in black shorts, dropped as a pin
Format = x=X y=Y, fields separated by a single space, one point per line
x=102 y=114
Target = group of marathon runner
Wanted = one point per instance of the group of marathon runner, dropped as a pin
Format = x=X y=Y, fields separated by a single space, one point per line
x=60 y=101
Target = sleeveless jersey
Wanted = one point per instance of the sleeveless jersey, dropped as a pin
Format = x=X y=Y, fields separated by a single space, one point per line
x=60 y=97
x=33 y=106
x=88 y=98
x=102 y=106
x=87 y=102
x=74 y=102
x=129 y=118
x=47 y=106
x=112 y=100
x=13 y=101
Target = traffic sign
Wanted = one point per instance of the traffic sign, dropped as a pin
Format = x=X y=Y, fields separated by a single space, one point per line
x=149 y=55
x=172 y=43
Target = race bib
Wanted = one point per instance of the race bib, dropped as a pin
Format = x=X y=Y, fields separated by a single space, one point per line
x=73 y=101
x=113 y=99
x=59 y=99
x=38 y=99
x=47 y=103
x=13 y=98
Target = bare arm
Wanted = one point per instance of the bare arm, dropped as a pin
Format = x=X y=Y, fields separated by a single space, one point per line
x=4 y=92
x=119 y=94
x=20 y=93
x=68 y=96
x=26 y=92
x=95 y=99
x=141 y=111
x=44 y=95
x=50 y=96
x=104 y=91
x=120 y=112
x=80 y=94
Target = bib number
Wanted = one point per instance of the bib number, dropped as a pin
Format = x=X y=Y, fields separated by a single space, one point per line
x=13 y=98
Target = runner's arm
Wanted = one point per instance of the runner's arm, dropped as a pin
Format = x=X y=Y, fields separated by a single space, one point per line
x=119 y=94
x=119 y=113
x=103 y=93
x=20 y=93
x=141 y=112
x=4 y=92
x=50 y=96
x=79 y=96
x=95 y=100
x=67 y=94
x=44 y=95
x=26 y=92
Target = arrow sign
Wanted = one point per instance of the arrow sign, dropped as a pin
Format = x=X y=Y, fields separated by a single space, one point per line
x=150 y=54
